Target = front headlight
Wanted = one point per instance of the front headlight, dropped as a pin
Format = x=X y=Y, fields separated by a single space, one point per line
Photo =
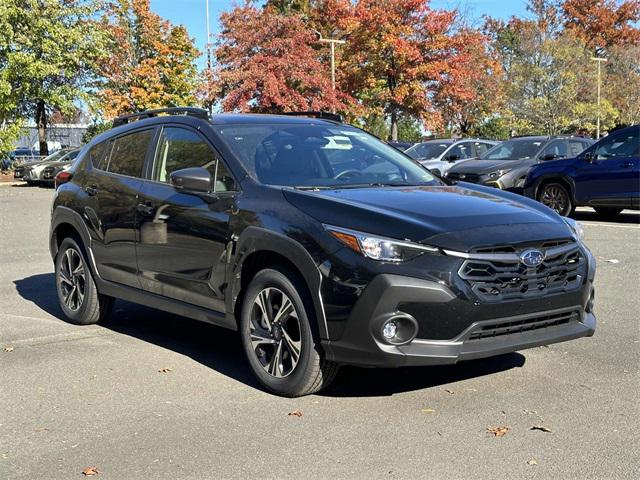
x=499 y=173
x=576 y=228
x=379 y=248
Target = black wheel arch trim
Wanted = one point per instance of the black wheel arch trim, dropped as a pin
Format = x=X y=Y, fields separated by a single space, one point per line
x=62 y=215
x=554 y=176
x=254 y=239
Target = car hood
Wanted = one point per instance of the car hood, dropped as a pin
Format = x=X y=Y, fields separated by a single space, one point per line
x=454 y=217
x=432 y=162
x=487 y=166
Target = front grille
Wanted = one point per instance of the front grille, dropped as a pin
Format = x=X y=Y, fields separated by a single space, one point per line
x=464 y=177
x=490 y=330
x=18 y=172
x=48 y=172
x=496 y=281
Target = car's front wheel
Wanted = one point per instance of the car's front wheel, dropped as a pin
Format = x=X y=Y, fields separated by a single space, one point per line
x=277 y=336
x=557 y=197
x=77 y=292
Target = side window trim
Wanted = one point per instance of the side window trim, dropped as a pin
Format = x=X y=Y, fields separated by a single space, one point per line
x=154 y=160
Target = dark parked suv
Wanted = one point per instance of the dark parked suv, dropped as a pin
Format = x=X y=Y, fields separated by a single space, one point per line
x=319 y=243
x=606 y=177
x=506 y=165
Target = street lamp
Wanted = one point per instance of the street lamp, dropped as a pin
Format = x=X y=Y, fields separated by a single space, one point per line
x=332 y=42
x=599 y=61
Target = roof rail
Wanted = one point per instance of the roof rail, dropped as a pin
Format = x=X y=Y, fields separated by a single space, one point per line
x=190 y=111
x=315 y=114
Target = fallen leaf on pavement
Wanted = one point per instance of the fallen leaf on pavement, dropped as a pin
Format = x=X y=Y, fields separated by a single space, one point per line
x=450 y=392
x=532 y=462
x=428 y=410
x=165 y=370
x=613 y=260
x=541 y=428
x=295 y=413
x=498 y=431
x=89 y=471
x=8 y=349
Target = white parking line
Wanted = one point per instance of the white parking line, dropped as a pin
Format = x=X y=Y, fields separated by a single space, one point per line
x=582 y=222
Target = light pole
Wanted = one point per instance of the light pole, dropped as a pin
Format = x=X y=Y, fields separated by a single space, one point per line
x=332 y=42
x=208 y=47
x=599 y=61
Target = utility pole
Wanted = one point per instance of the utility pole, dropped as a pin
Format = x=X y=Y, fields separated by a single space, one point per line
x=599 y=61
x=332 y=42
x=208 y=47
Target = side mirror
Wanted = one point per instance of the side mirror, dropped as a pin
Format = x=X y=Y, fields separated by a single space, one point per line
x=550 y=156
x=195 y=179
x=453 y=158
x=589 y=157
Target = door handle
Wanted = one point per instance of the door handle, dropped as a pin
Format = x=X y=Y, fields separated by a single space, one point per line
x=91 y=190
x=145 y=209
x=627 y=165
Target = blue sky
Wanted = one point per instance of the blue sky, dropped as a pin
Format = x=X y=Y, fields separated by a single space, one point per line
x=191 y=13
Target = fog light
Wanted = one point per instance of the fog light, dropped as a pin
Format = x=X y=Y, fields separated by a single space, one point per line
x=390 y=329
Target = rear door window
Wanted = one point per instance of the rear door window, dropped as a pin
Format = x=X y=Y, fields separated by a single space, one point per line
x=128 y=153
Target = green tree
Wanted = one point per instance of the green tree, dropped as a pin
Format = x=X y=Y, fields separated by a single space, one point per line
x=550 y=86
x=50 y=48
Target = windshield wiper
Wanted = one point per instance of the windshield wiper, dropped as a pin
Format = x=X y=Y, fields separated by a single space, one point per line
x=312 y=187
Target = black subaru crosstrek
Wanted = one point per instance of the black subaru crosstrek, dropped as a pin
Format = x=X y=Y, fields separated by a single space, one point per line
x=319 y=243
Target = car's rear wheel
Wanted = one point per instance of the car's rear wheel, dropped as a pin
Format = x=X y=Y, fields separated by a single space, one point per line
x=277 y=336
x=608 y=212
x=556 y=196
x=77 y=292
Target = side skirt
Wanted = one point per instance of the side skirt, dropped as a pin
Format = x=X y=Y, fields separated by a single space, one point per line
x=170 y=305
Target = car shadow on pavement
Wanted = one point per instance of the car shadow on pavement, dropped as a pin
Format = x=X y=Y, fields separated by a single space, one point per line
x=41 y=290
x=220 y=349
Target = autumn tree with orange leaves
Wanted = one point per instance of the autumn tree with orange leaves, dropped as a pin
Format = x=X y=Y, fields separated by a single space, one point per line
x=266 y=62
x=151 y=62
x=398 y=55
x=602 y=24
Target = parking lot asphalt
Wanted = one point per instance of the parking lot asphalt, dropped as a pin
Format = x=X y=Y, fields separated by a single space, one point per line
x=152 y=395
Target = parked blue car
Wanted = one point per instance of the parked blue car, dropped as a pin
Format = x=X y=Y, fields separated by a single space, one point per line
x=606 y=176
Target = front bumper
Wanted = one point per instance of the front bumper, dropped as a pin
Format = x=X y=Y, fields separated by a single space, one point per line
x=546 y=320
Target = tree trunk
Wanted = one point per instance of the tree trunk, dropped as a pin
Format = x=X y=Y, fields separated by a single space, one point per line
x=41 y=122
x=394 y=125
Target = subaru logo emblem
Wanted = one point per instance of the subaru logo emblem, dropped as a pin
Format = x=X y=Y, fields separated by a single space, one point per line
x=462 y=176
x=532 y=258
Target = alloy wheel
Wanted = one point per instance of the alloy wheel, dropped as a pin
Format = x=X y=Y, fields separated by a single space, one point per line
x=71 y=279
x=276 y=338
x=555 y=198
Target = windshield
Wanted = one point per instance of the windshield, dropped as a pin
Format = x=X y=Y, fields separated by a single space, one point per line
x=319 y=156
x=514 y=150
x=427 y=151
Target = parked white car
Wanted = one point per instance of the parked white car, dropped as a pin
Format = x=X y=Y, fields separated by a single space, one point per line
x=439 y=155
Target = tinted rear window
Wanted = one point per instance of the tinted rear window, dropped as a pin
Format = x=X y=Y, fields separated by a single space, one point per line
x=97 y=155
x=127 y=156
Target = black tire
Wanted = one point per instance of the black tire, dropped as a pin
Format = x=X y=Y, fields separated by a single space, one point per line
x=290 y=378
x=608 y=212
x=86 y=306
x=557 y=197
